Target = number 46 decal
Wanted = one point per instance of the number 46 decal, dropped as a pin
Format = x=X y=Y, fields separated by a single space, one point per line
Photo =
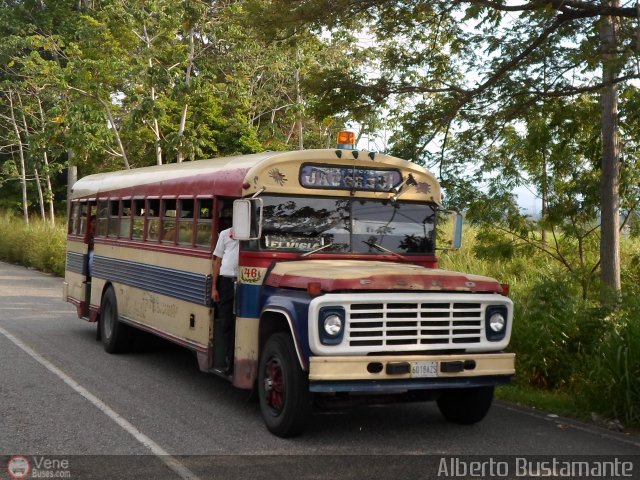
x=250 y=274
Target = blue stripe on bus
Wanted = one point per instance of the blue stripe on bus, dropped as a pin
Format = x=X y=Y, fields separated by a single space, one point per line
x=248 y=303
x=187 y=286
x=76 y=263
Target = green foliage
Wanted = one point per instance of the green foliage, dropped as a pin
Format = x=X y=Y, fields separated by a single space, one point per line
x=566 y=346
x=554 y=333
x=610 y=383
x=38 y=245
x=109 y=84
x=560 y=402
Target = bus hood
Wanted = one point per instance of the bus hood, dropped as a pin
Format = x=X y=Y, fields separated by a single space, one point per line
x=340 y=275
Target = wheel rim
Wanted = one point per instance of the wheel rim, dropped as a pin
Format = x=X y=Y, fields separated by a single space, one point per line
x=274 y=387
x=107 y=321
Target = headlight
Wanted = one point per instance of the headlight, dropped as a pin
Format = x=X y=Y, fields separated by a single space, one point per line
x=331 y=323
x=496 y=317
x=497 y=322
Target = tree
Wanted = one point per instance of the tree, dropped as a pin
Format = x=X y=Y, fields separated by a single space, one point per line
x=467 y=69
x=112 y=84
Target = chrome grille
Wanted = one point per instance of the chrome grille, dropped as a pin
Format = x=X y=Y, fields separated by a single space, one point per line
x=422 y=324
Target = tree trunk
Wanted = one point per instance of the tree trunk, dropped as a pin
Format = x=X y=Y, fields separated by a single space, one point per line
x=185 y=108
x=23 y=163
x=47 y=175
x=299 y=100
x=72 y=177
x=40 y=196
x=545 y=195
x=116 y=134
x=609 y=183
x=47 y=178
x=155 y=125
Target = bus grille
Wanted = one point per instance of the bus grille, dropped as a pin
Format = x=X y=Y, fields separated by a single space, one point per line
x=414 y=324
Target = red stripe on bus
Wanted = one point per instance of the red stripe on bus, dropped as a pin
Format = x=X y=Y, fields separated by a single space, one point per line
x=226 y=183
x=386 y=282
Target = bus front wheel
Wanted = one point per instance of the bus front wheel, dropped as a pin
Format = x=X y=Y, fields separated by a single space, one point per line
x=115 y=335
x=466 y=405
x=283 y=388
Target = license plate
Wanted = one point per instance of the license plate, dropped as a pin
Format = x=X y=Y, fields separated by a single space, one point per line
x=424 y=369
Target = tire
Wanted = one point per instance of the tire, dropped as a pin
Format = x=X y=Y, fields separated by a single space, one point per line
x=116 y=337
x=283 y=388
x=467 y=405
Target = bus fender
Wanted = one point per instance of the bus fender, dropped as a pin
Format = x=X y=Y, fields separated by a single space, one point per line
x=281 y=319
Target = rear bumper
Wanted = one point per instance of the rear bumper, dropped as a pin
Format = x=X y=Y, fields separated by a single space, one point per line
x=391 y=374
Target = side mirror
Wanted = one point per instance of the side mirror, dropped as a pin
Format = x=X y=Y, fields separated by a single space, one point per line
x=451 y=233
x=247 y=218
x=456 y=242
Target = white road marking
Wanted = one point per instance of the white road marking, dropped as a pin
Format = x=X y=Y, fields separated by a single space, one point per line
x=182 y=471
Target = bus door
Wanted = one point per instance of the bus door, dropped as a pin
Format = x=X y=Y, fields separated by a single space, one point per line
x=79 y=246
x=224 y=311
x=89 y=236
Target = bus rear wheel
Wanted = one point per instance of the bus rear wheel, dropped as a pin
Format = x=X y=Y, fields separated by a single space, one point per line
x=283 y=388
x=465 y=406
x=115 y=336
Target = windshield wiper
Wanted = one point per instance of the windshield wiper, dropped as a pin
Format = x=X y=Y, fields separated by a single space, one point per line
x=383 y=249
x=317 y=249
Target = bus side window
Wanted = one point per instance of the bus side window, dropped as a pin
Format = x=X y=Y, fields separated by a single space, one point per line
x=204 y=220
x=74 y=219
x=125 y=221
x=138 y=219
x=169 y=220
x=153 y=220
x=114 y=218
x=185 y=225
x=103 y=218
x=226 y=214
x=81 y=225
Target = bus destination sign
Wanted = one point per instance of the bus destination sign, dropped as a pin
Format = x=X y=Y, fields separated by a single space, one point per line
x=349 y=178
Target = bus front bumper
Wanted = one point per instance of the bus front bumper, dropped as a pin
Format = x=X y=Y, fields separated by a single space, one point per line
x=390 y=374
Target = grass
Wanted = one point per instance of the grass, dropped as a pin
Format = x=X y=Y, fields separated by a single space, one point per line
x=38 y=245
x=573 y=356
x=553 y=402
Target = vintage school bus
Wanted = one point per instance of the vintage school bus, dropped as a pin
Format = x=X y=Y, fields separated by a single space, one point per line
x=338 y=295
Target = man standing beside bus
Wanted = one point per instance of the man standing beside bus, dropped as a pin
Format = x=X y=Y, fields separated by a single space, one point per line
x=225 y=272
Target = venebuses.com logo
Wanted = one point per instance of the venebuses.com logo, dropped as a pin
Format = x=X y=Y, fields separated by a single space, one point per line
x=18 y=467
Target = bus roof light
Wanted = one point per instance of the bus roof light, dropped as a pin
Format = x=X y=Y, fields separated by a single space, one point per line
x=346 y=140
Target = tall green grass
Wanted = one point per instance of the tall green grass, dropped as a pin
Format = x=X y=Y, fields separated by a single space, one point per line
x=38 y=245
x=564 y=344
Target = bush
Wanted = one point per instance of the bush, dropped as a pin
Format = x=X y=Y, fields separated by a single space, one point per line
x=38 y=245
x=563 y=343
x=610 y=380
x=555 y=333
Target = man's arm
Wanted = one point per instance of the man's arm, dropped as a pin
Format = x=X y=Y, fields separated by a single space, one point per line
x=217 y=261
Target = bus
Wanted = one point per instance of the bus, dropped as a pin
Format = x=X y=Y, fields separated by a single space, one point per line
x=338 y=297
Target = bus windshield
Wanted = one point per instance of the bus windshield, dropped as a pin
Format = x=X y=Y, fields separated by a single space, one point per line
x=347 y=225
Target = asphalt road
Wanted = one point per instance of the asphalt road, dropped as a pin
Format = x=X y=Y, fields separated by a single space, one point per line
x=74 y=411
